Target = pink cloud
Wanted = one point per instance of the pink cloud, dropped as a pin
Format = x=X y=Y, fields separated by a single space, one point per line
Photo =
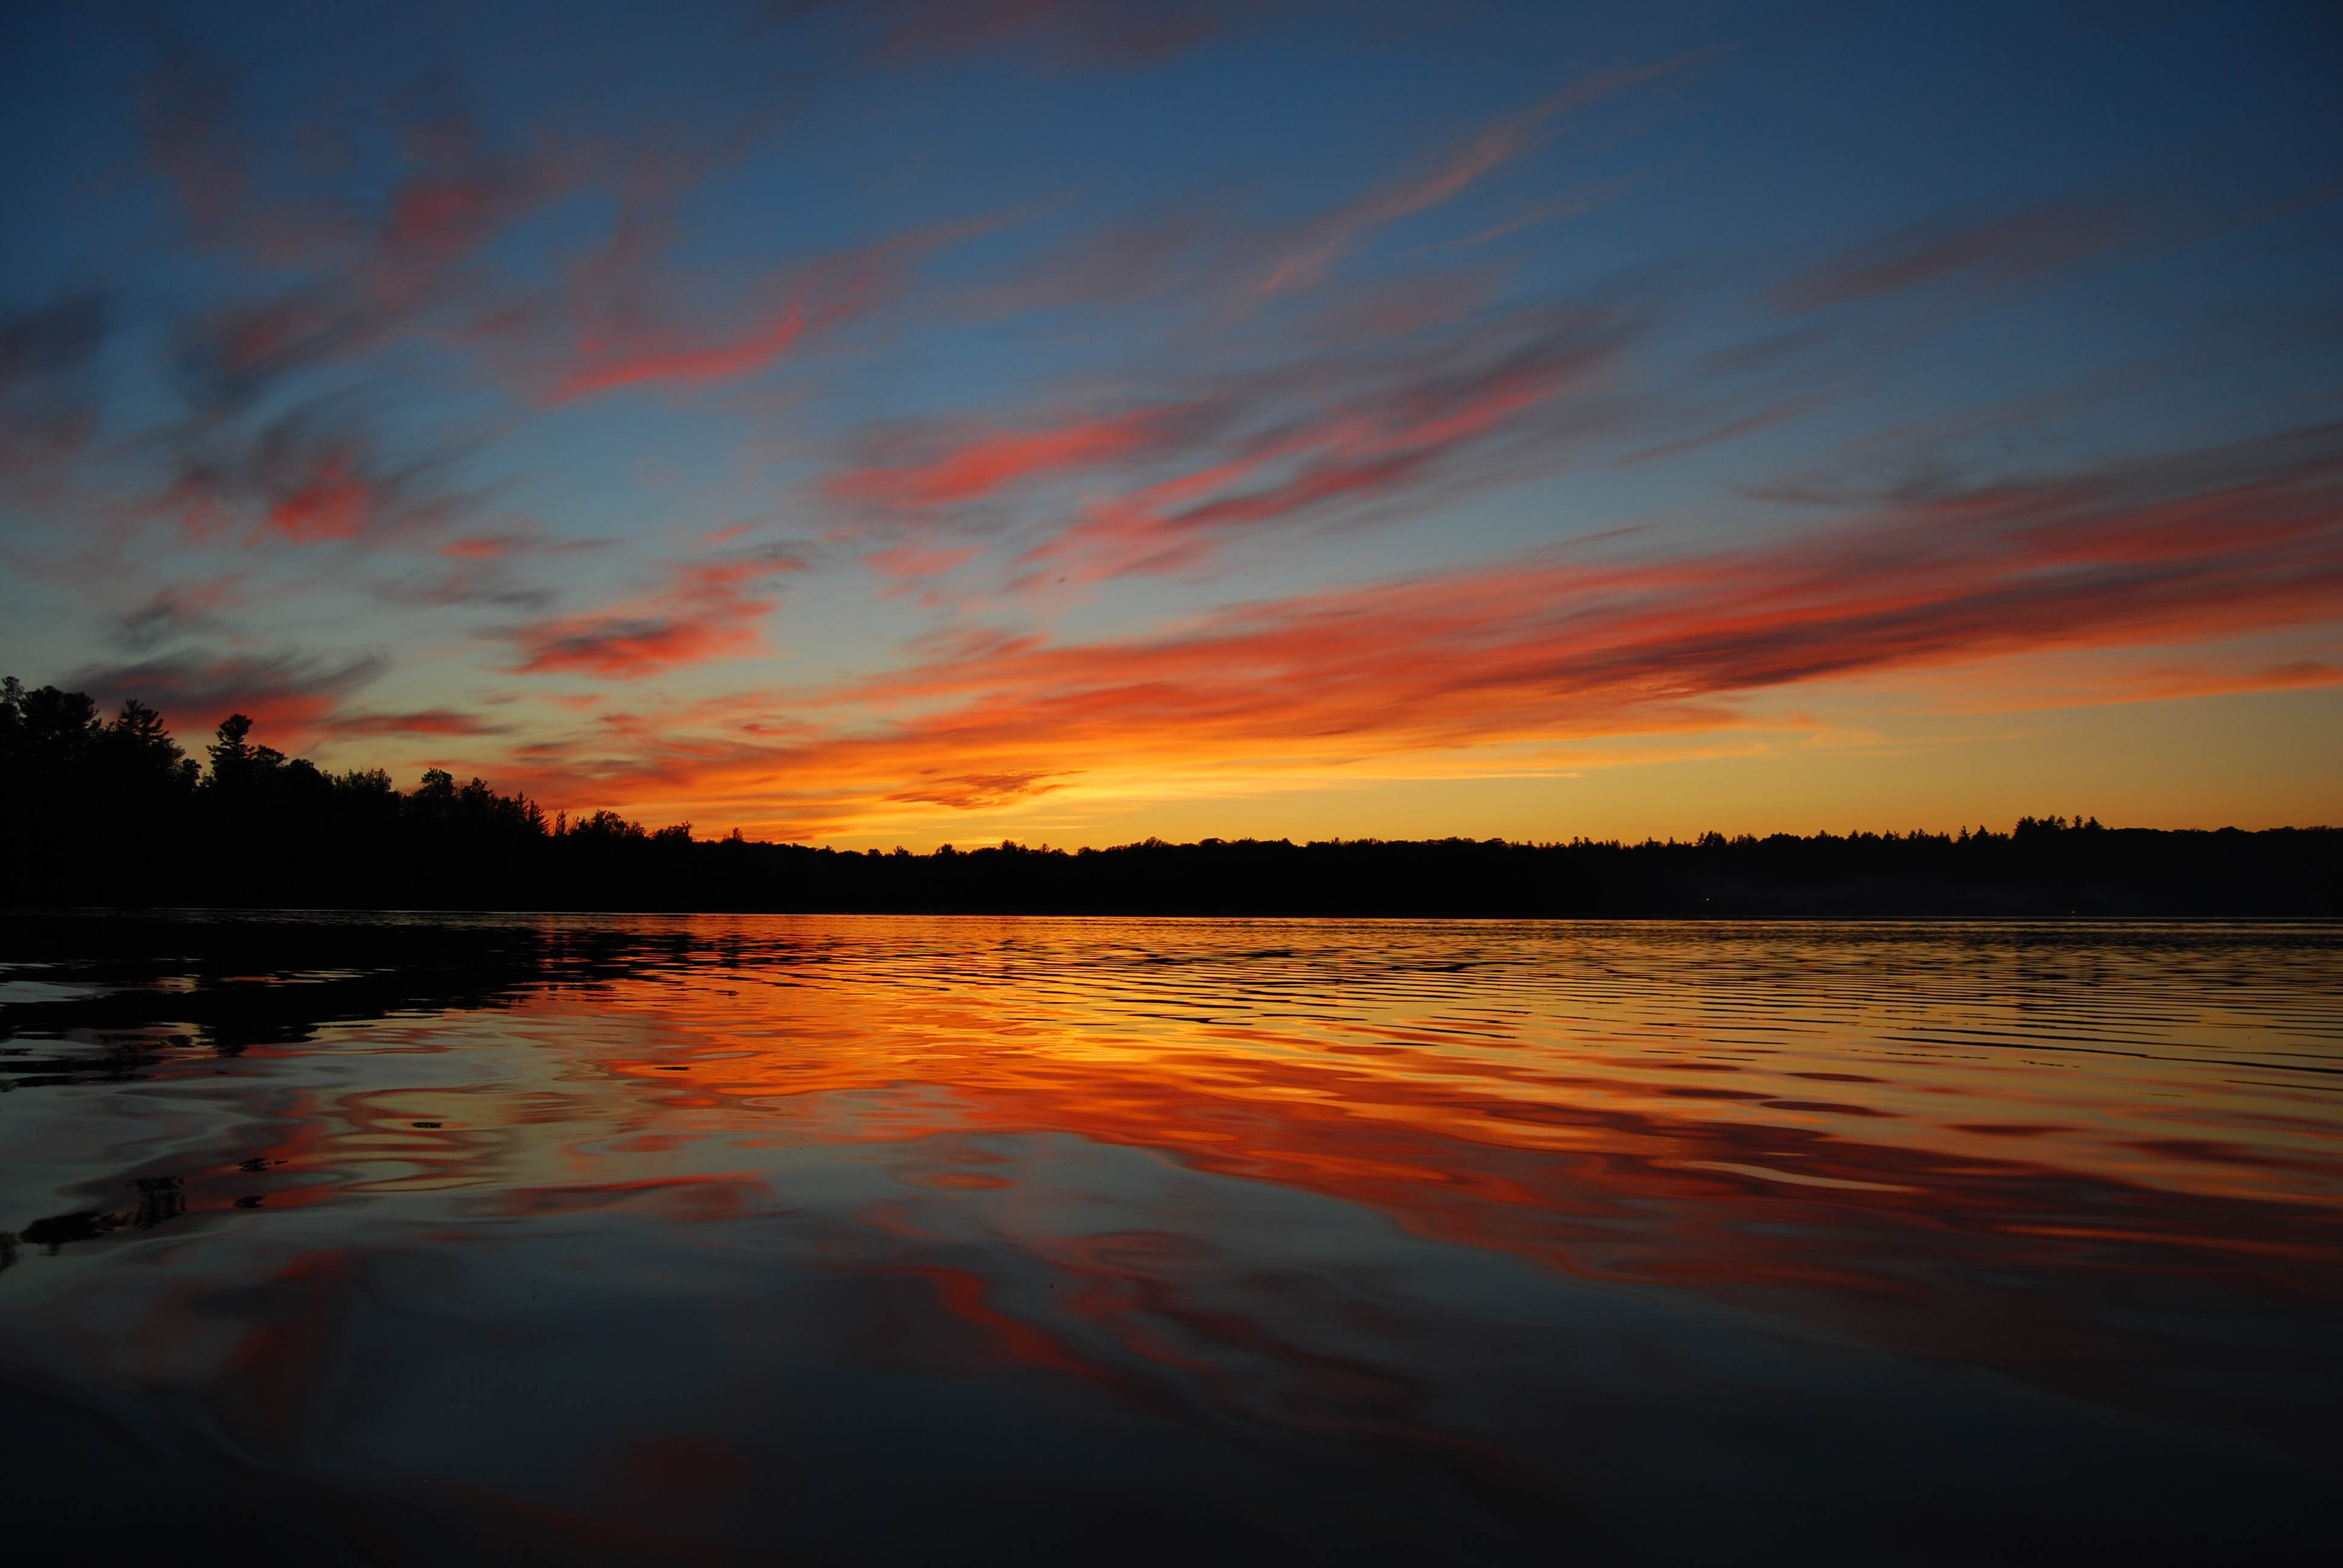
x=1552 y=646
x=634 y=364
x=292 y=697
x=979 y=466
x=334 y=503
x=1390 y=439
x=706 y=612
x=1319 y=437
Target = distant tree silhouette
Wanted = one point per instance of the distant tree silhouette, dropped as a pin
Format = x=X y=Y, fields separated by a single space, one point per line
x=112 y=813
x=232 y=755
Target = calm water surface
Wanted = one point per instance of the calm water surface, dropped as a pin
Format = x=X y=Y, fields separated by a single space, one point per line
x=760 y=1239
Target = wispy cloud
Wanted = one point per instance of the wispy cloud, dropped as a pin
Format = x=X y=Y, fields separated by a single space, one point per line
x=705 y=611
x=2002 y=248
x=621 y=326
x=418 y=721
x=177 y=610
x=288 y=693
x=931 y=469
x=1165 y=486
x=973 y=791
x=47 y=404
x=603 y=367
x=2220 y=543
x=1311 y=251
x=911 y=562
x=314 y=476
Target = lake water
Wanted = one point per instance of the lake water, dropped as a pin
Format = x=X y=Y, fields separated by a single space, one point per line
x=639 y=1239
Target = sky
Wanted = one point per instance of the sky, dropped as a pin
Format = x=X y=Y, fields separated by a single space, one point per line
x=1072 y=420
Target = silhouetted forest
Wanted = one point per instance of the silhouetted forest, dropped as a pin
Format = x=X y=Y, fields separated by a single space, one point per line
x=112 y=811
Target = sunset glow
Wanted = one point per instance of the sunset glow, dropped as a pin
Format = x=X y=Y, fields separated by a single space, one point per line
x=912 y=423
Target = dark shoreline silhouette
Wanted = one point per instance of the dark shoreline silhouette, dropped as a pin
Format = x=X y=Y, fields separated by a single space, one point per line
x=113 y=813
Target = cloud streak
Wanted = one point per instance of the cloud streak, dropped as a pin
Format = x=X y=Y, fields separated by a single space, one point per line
x=418 y=721
x=2003 y=249
x=1557 y=645
x=705 y=611
x=687 y=363
x=1165 y=488
x=290 y=695
x=1313 y=251
x=974 y=467
x=47 y=408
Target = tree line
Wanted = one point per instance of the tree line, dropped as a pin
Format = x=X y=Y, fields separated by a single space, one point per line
x=112 y=811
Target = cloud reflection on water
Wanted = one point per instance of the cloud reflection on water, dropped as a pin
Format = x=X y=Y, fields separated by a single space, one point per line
x=1440 y=1237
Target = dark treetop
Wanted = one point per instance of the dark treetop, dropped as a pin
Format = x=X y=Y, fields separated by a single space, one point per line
x=111 y=811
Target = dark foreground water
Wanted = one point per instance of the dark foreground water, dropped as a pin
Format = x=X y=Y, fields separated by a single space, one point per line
x=959 y=1239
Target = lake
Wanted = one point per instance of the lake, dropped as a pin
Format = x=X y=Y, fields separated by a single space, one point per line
x=735 y=1239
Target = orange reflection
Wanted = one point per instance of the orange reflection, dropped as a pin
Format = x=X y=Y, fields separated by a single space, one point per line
x=1650 y=1132
x=1444 y=1199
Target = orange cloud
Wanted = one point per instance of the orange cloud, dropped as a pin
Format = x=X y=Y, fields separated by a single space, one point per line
x=1549 y=646
x=1361 y=448
x=332 y=503
x=1317 y=438
x=291 y=696
x=970 y=790
x=707 y=611
x=981 y=466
